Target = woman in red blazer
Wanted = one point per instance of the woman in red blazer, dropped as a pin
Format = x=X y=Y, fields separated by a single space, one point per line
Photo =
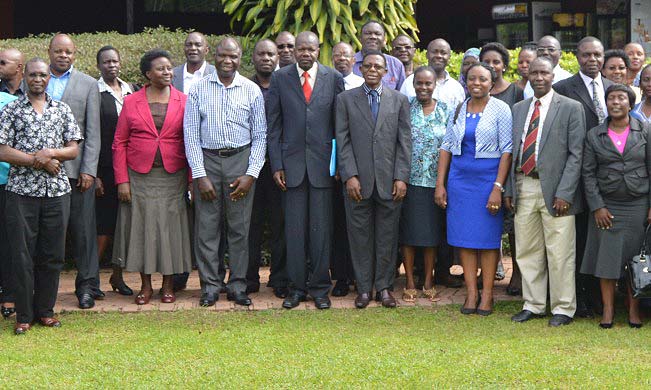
x=151 y=172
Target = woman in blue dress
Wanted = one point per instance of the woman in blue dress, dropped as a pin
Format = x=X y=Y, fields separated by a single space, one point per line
x=473 y=165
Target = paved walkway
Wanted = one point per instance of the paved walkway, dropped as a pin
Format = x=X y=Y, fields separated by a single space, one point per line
x=263 y=300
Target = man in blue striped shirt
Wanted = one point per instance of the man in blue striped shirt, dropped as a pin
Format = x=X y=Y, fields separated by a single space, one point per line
x=225 y=143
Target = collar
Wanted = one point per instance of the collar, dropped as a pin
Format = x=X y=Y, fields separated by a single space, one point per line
x=103 y=87
x=19 y=91
x=237 y=80
x=367 y=89
x=588 y=81
x=201 y=71
x=445 y=79
x=25 y=100
x=546 y=100
x=66 y=74
x=311 y=71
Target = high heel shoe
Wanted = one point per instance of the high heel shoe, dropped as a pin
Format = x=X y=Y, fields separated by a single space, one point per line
x=634 y=325
x=485 y=313
x=605 y=325
x=120 y=287
x=469 y=310
x=7 y=311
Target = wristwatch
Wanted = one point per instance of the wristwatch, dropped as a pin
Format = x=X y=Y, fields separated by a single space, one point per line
x=499 y=185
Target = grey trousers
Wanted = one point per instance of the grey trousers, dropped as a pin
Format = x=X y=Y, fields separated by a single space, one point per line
x=308 y=228
x=83 y=234
x=222 y=171
x=37 y=236
x=373 y=237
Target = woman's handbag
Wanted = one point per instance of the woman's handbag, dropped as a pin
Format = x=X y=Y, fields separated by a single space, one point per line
x=639 y=270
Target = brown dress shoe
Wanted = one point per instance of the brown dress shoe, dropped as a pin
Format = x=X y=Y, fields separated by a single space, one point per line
x=50 y=322
x=387 y=299
x=21 y=328
x=362 y=300
x=168 y=298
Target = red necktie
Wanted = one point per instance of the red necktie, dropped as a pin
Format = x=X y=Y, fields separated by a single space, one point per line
x=529 y=149
x=307 y=88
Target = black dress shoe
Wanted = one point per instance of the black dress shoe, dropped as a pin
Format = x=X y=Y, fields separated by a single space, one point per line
x=341 y=288
x=120 y=287
x=513 y=291
x=86 y=301
x=605 y=325
x=387 y=299
x=208 y=299
x=293 y=299
x=582 y=309
x=322 y=302
x=635 y=325
x=7 y=311
x=281 y=292
x=99 y=294
x=560 y=319
x=176 y=287
x=525 y=315
x=252 y=288
x=240 y=298
x=362 y=300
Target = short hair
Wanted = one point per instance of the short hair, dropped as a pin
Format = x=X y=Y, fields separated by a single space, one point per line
x=375 y=53
x=617 y=53
x=530 y=46
x=499 y=48
x=622 y=88
x=544 y=59
x=149 y=57
x=266 y=40
x=226 y=39
x=34 y=61
x=485 y=66
x=402 y=36
x=422 y=69
x=106 y=48
x=372 y=21
x=588 y=39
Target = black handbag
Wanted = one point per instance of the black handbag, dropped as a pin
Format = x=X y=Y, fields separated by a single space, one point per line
x=639 y=270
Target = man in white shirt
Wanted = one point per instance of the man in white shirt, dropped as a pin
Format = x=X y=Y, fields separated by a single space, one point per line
x=343 y=58
x=549 y=47
x=196 y=67
x=447 y=90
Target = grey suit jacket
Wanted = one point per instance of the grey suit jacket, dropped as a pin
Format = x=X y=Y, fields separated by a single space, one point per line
x=82 y=95
x=574 y=88
x=299 y=134
x=177 y=75
x=560 y=152
x=376 y=152
x=606 y=171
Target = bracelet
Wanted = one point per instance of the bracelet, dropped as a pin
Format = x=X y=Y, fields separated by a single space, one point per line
x=499 y=185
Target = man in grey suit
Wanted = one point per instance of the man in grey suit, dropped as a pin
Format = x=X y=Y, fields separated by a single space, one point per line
x=374 y=152
x=300 y=116
x=80 y=92
x=196 y=67
x=548 y=134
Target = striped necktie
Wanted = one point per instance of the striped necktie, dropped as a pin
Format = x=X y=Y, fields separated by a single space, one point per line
x=528 y=159
x=597 y=104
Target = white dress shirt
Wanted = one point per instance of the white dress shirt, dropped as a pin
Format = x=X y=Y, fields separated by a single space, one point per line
x=312 y=72
x=190 y=79
x=352 y=81
x=559 y=74
x=545 y=101
x=448 y=90
x=600 y=90
x=119 y=98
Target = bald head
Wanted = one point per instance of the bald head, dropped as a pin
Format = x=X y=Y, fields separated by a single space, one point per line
x=228 y=54
x=228 y=43
x=61 y=52
x=307 y=49
x=285 y=42
x=195 y=48
x=548 y=46
x=11 y=66
x=438 y=55
x=307 y=36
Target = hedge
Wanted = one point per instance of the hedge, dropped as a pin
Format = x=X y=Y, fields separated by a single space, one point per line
x=132 y=47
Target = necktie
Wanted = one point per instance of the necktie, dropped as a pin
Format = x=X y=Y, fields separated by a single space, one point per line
x=375 y=104
x=528 y=159
x=307 y=88
x=597 y=104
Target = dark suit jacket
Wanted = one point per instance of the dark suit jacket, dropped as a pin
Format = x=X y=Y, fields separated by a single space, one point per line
x=108 y=117
x=177 y=79
x=559 y=153
x=299 y=134
x=606 y=171
x=575 y=89
x=376 y=152
x=82 y=95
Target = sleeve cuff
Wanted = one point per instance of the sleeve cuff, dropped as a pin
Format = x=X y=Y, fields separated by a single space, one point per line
x=198 y=172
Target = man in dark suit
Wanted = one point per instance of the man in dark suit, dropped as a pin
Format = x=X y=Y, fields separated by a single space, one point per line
x=80 y=92
x=588 y=88
x=374 y=151
x=300 y=115
x=196 y=67
x=548 y=133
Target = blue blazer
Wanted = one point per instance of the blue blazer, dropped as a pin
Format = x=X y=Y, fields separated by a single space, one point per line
x=493 y=136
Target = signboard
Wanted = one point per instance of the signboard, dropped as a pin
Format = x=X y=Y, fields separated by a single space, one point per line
x=510 y=11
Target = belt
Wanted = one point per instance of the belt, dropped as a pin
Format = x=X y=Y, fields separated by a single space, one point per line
x=227 y=152
x=533 y=175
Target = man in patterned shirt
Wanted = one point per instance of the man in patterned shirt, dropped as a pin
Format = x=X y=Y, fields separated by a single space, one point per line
x=37 y=134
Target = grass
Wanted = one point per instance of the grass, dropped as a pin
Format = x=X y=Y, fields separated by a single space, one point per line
x=373 y=348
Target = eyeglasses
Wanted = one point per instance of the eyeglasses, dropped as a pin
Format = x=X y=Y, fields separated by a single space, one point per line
x=550 y=50
x=286 y=46
x=379 y=68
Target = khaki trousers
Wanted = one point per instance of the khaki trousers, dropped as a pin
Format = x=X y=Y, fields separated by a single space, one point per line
x=546 y=251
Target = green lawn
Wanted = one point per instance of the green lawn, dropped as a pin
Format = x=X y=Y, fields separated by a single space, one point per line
x=373 y=348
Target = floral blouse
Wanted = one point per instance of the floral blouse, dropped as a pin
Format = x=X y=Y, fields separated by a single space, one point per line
x=427 y=134
x=23 y=129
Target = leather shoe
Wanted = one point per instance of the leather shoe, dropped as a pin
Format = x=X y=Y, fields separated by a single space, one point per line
x=240 y=298
x=560 y=319
x=322 y=302
x=582 y=309
x=293 y=299
x=21 y=328
x=341 y=288
x=281 y=292
x=50 y=322
x=252 y=288
x=86 y=301
x=168 y=298
x=99 y=294
x=525 y=315
x=207 y=299
x=387 y=299
x=362 y=300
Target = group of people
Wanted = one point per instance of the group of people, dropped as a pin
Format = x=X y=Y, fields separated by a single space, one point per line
x=344 y=165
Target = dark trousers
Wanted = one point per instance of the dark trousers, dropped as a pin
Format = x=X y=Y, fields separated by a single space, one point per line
x=37 y=236
x=83 y=235
x=342 y=265
x=6 y=276
x=222 y=171
x=587 y=286
x=308 y=227
x=373 y=236
x=267 y=208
